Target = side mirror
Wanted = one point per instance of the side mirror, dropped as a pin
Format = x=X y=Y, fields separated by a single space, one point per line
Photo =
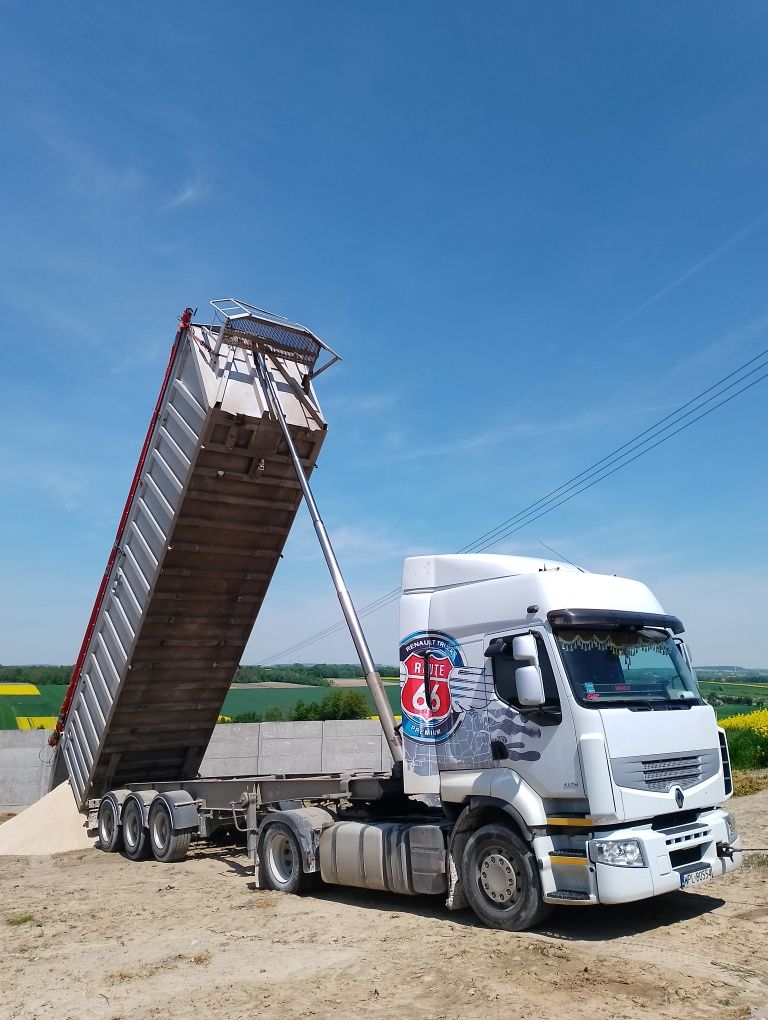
x=524 y=649
x=530 y=688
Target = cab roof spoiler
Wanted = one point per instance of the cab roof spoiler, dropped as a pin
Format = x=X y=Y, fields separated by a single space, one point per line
x=612 y=619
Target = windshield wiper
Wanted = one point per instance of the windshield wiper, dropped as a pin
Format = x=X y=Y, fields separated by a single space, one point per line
x=648 y=705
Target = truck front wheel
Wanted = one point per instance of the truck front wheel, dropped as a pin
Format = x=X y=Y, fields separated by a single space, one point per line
x=501 y=880
x=280 y=856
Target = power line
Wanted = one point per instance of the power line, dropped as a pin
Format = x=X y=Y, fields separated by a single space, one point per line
x=371 y=607
x=643 y=443
x=624 y=463
x=631 y=444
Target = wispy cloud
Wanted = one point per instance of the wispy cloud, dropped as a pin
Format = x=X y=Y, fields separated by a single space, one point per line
x=88 y=169
x=190 y=193
x=363 y=403
x=519 y=430
x=356 y=545
x=64 y=485
x=694 y=270
x=719 y=351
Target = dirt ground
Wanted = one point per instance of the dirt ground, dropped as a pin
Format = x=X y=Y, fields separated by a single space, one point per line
x=87 y=934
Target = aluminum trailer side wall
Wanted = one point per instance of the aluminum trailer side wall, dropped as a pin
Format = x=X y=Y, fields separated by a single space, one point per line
x=216 y=500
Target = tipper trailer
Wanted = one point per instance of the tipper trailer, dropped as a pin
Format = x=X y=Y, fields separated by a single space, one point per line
x=554 y=747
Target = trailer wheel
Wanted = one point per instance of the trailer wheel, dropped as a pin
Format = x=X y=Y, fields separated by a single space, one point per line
x=167 y=846
x=134 y=833
x=280 y=856
x=110 y=831
x=501 y=880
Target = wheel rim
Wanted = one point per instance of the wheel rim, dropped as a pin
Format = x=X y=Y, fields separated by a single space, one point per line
x=498 y=879
x=161 y=830
x=107 y=824
x=132 y=829
x=280 y=857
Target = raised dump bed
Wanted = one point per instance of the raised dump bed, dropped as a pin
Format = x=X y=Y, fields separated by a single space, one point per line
x=213 y=501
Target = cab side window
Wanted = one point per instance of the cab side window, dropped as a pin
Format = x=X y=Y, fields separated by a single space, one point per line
x=504 y=675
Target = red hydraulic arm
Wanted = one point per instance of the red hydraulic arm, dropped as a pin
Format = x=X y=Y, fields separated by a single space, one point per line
x=184 y=321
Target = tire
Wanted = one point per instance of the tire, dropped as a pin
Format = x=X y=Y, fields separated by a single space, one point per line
x=135 y=842
x=280 y=856
x=167 y=846
x=110 y=829
x=501 y=880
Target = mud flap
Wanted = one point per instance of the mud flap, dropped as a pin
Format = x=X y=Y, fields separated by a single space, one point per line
x=457 y=898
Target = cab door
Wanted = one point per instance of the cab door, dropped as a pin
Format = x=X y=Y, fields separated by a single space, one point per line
x=539 y=743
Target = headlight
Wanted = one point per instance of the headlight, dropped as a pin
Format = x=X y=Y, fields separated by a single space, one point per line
x=733 y=832
x=625 y=853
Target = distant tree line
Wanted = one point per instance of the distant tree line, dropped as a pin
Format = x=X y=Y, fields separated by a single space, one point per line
x=35 y=674
x=297 y=673
x=336 y=704
x=737 y=699
x=711 y=676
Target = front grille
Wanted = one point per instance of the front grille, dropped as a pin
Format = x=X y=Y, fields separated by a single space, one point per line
x=662 y=774
x=659 y=773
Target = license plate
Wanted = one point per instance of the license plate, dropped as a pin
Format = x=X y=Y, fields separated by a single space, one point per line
x=696 y=877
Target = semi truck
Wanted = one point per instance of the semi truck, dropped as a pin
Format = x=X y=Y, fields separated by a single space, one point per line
x=553 y=746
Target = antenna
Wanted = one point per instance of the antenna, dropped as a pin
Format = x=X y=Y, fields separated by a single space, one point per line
x=560 y=555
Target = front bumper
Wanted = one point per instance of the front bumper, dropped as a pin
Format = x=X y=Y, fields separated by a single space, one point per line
x=668 y=853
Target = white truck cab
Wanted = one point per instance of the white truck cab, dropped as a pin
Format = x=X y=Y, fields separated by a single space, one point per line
x=567 y=701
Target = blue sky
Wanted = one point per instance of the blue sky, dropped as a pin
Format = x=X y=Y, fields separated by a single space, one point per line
x=531 y=230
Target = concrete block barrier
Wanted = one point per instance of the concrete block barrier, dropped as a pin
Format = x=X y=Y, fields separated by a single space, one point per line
x=235 y=749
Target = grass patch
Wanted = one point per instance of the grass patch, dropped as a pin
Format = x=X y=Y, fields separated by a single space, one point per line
x=16 y=919
x=756 y=861
x=159 y=967
x=745 y=783
x=748 y=748
x=264 y=899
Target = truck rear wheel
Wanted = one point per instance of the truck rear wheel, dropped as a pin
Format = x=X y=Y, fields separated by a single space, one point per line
x=167 y=846
x=280 y=856
x=501 y=880
x=108 y=823
x=134 y=833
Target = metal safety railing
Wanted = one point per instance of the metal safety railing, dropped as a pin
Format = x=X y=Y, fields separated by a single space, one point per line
x=243 y=325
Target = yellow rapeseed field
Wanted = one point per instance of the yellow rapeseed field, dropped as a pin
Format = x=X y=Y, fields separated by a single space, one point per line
x=757 y=721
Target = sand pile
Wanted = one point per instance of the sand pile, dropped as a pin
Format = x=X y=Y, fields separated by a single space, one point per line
x=51 y=826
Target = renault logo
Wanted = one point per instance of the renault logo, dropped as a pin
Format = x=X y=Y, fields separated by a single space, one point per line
x=679 y=797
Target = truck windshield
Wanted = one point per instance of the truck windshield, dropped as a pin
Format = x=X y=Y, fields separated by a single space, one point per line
x=632 y=667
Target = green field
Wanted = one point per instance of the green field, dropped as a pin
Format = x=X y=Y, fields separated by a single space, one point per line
x=725 y=711
x=48 y=702
x=740 y=690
